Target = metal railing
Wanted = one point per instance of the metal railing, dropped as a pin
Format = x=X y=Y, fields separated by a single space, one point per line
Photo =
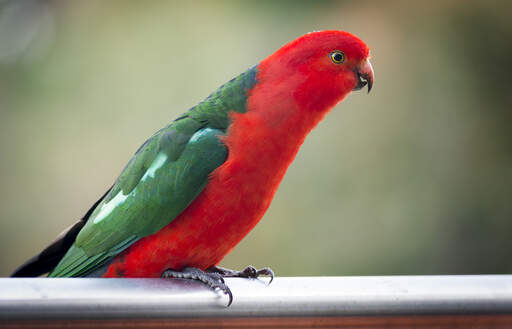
x=481 y=301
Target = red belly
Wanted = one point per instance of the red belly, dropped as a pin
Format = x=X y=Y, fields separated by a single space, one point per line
x=262 y=143
x=236 y=197
x=200 y=237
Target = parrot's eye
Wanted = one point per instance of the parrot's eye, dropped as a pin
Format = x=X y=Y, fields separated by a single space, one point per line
x=337 y=57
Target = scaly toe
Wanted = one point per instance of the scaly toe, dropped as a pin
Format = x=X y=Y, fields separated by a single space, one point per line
x=250 y=272
x=212 y=280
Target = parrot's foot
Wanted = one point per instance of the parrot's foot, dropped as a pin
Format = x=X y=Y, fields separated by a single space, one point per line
x=248 y=272
x=213 y=280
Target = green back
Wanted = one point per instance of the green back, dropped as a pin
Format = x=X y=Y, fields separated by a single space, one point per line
x=163 y=177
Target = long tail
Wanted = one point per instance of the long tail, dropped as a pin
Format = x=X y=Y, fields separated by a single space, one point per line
x=47 y=259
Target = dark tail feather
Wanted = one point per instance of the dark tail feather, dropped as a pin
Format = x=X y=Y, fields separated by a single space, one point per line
x=47 y=259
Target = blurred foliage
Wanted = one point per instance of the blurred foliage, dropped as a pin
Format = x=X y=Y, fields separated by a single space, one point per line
x=415 y=178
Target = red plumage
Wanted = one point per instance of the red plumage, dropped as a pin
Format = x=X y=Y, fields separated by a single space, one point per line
x=296 y=86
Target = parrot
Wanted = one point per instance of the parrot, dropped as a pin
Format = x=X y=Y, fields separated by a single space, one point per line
x=198 y=186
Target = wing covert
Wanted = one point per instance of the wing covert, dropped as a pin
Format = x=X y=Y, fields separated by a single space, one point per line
x=165 y=187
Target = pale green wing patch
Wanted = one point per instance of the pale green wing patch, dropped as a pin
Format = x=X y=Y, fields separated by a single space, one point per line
x=163 y=191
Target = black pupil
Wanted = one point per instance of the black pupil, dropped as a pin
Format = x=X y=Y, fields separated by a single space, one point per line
x=337 y=57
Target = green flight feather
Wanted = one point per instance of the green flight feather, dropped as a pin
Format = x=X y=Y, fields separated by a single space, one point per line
x=163 y=177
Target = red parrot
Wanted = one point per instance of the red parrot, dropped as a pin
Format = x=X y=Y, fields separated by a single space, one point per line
x=196 y=187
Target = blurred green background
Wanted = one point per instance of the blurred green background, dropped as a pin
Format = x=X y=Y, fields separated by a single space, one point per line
x=415 y=178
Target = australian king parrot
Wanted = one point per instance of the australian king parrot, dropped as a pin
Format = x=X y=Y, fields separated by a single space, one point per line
x=196 y=187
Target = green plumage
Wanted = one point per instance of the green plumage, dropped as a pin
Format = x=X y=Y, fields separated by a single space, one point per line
x=163 y=177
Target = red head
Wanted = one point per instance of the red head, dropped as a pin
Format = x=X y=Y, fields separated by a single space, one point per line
x=319 y=68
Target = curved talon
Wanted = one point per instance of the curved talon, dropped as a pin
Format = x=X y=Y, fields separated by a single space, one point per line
x=222 y=287
x=267 y=271
x=228 y=292
x=253 y=273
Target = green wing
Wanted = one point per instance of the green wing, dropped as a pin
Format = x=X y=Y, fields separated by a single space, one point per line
x=155 y=187
x=163 y=177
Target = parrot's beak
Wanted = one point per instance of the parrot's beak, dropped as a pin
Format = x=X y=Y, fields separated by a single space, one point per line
x=364 y=75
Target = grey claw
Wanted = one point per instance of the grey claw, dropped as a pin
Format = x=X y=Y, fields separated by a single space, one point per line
x=228 y=292
x=267 y=271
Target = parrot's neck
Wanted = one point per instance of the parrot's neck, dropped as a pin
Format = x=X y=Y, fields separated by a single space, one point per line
x=262 y=143
x=265 y=140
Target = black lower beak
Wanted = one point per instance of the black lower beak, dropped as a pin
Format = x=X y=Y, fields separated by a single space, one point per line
x=361 y=82
x=364 y=76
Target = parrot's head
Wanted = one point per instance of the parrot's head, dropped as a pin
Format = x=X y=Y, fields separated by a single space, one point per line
x=320 y=68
